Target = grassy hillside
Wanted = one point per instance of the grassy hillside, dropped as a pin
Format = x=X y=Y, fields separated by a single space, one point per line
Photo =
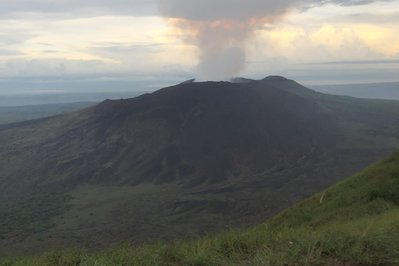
x=353 y=223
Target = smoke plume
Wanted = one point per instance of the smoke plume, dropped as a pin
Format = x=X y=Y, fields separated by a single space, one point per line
x=221 y=29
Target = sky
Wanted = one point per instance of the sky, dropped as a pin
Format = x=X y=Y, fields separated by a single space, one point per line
x=53 y=46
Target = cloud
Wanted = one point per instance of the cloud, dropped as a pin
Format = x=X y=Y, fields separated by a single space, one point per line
x=89 y=8
x=350 y=2
x=209 y=10
x=12 y=36
x=9 y=52
x=112 y=36
x=360 y=62
x=220 y=29
x=368 y=18
x=48 y=67
x=77 y=8
x=242 y=10
x=123 y=48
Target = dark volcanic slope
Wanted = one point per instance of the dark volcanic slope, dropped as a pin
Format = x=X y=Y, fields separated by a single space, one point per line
x=192 y=133
x=214 y=154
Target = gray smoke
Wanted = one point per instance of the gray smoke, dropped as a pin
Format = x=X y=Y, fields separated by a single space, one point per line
x=220 y=29
x=211 y=10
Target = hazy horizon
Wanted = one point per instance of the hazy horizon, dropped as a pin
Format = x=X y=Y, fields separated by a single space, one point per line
x=383 y=90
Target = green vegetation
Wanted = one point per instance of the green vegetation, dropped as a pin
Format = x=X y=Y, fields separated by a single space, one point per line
x=353 y=223
x=30 y=215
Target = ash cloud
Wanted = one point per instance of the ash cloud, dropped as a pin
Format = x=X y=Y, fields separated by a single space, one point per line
x=210 y=10
x=221 y=29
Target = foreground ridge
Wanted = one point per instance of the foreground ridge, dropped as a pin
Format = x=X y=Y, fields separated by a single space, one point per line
x=355 y=222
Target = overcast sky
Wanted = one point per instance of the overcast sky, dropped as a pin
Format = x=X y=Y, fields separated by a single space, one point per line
x=56 y=43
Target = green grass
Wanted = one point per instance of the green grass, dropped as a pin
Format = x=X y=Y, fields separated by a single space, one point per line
x=367 y=194
x=355 y=222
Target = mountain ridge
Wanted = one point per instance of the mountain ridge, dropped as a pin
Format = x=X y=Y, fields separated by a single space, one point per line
x=186 y=160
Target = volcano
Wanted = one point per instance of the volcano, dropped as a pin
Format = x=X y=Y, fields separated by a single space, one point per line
x=185 y=160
